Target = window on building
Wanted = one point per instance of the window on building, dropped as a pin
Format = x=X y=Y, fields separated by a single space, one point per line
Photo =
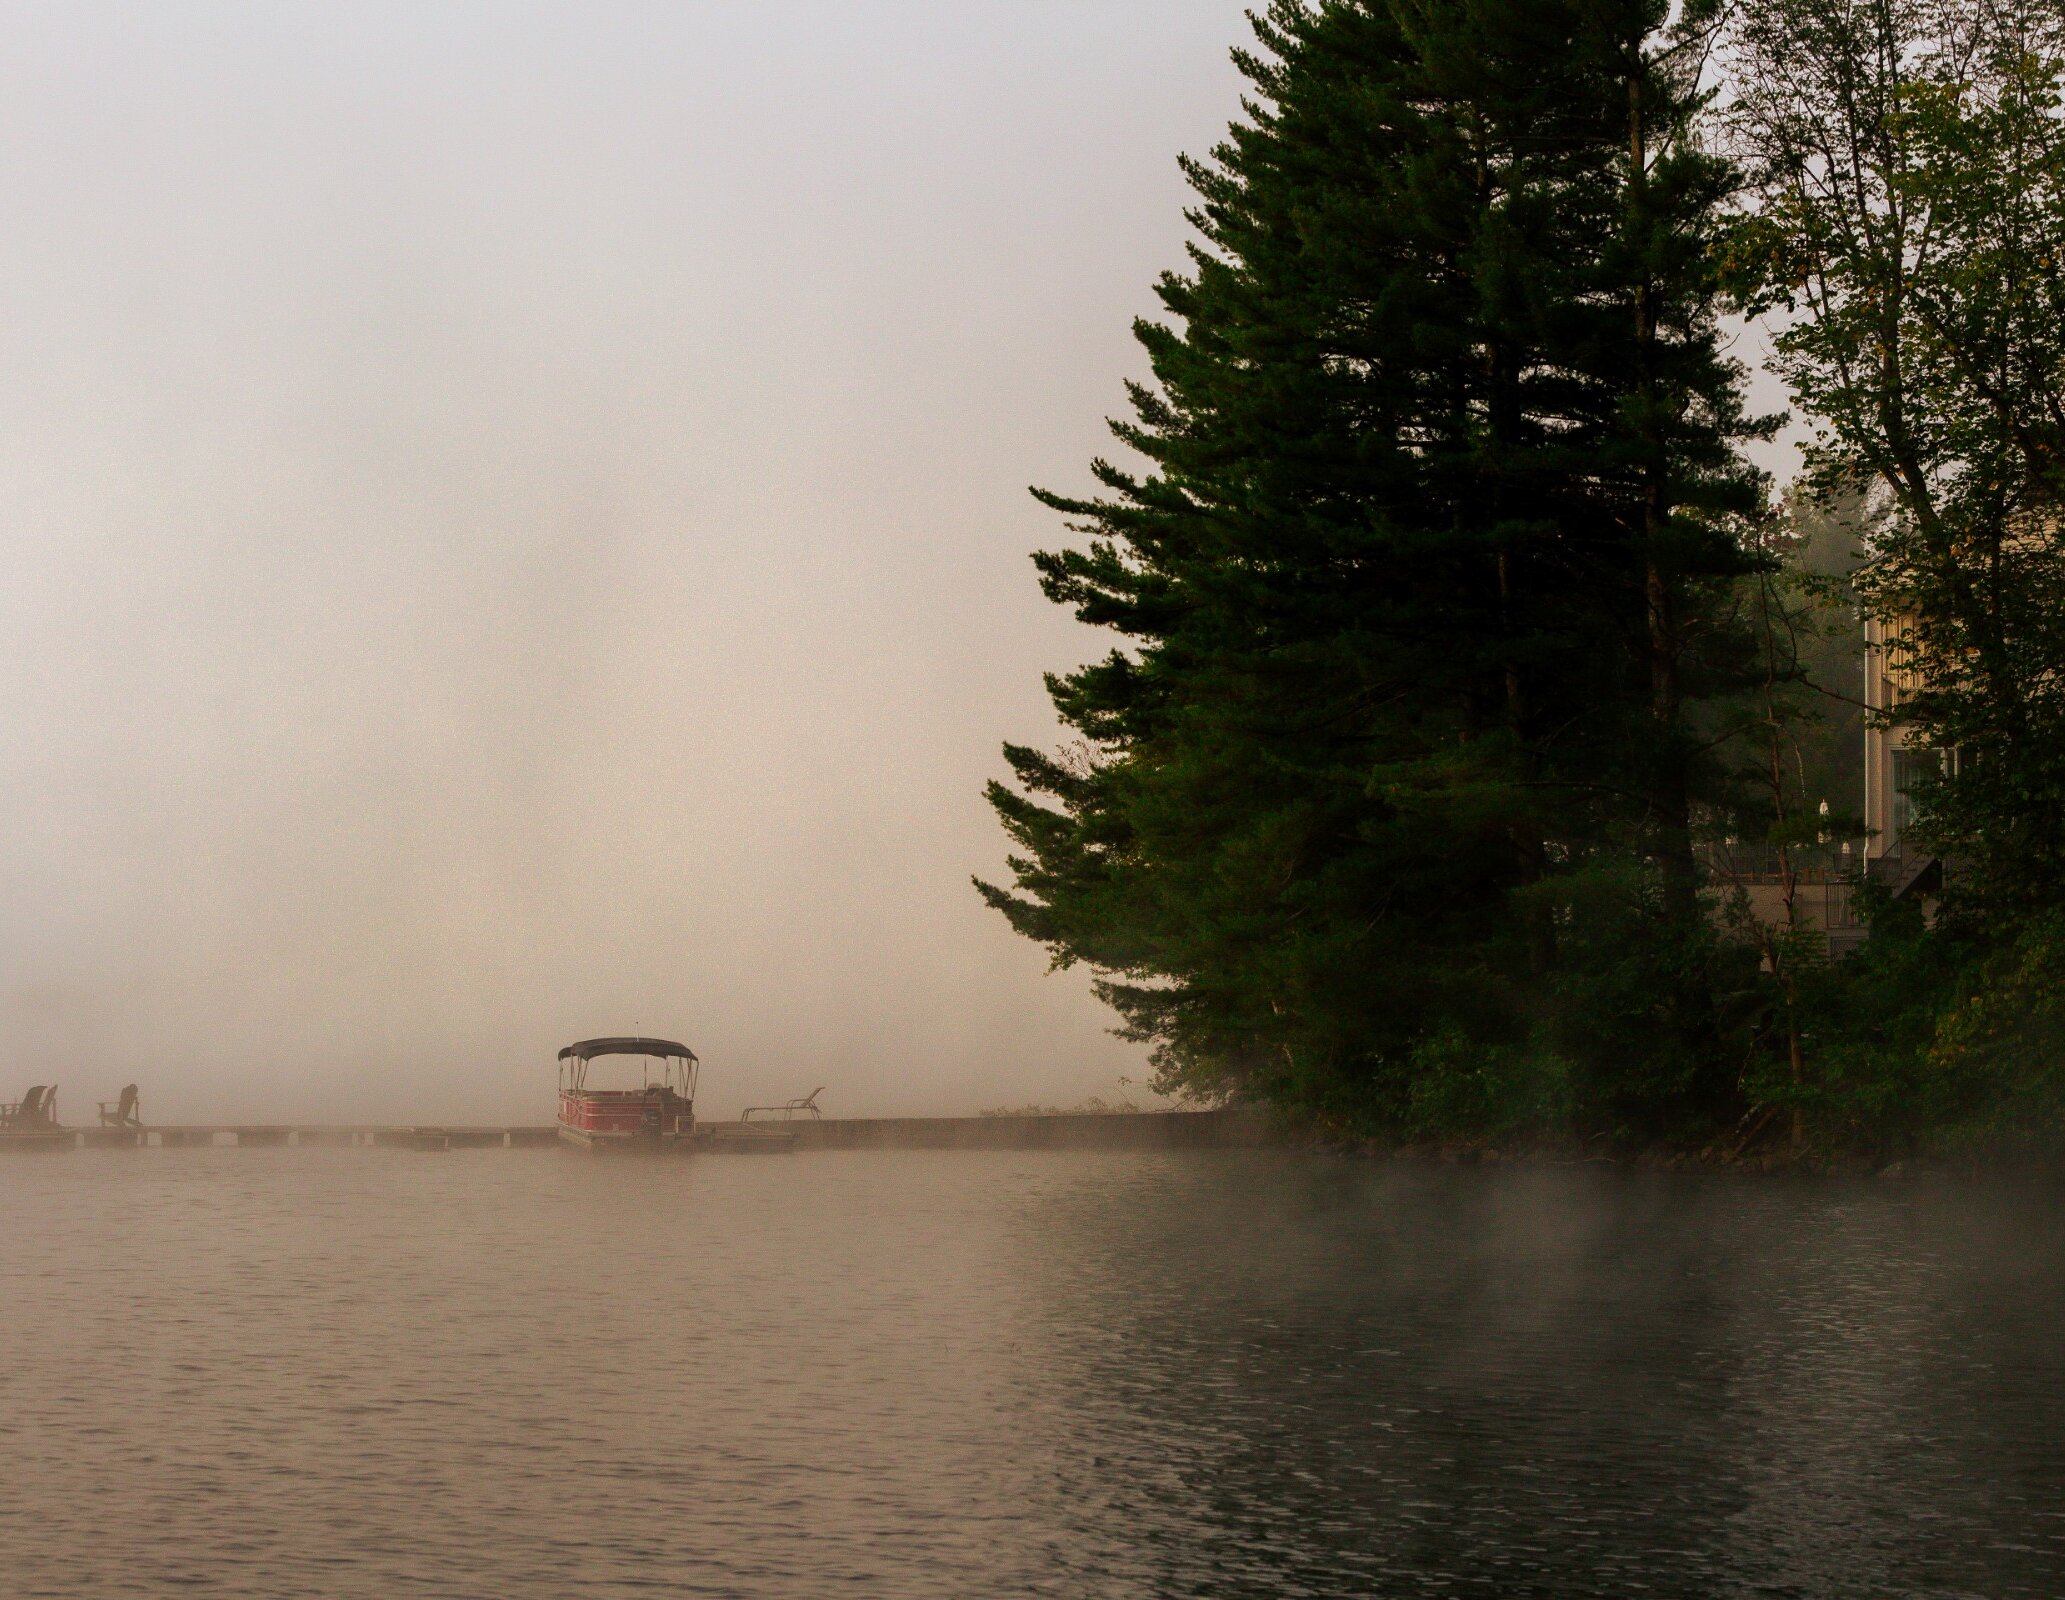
x=1909 y=768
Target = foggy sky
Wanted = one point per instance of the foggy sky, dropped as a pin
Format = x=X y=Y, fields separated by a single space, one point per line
x=513 y=526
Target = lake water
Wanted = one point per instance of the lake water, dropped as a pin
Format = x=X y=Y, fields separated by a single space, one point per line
x=516 y=1373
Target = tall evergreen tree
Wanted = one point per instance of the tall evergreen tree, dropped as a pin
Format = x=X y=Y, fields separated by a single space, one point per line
x=1441 y=473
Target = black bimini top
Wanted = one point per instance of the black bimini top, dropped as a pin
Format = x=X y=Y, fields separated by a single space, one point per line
x=588 y=1049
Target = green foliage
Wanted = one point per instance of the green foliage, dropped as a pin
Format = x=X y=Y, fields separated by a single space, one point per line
x=1821 y=545
x=1461 y=1087
x=1999 y=1049
x=1615 y=1004
x=1459 y=769
x=1868 y=1023
x=1910 y=220
x=1435 y=549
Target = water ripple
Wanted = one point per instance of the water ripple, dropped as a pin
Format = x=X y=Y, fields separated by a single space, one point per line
x=509 y=1374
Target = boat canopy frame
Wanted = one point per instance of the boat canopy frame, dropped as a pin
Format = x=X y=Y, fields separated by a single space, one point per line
x=678 y=1063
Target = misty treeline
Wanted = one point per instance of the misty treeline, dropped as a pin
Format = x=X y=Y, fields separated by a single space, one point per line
x=1466 y=657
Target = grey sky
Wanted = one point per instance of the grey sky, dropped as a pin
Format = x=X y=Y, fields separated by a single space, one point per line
x=513 y=527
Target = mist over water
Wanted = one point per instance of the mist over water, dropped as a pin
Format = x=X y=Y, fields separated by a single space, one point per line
x=513 y=528
x=363 y=1373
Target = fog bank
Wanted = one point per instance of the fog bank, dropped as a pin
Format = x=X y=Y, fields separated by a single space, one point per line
x=513 y=525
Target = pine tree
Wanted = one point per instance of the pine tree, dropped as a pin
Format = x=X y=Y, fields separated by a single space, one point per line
x=1438 y=431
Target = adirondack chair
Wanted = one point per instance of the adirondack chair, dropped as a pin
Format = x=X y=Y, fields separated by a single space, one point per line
x=122 y=1113
x=35 y=1110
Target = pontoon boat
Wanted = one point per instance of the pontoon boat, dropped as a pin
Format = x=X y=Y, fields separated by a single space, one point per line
x=658 y=1115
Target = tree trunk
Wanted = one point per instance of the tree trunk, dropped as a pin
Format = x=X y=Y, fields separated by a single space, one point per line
x=1669 y=796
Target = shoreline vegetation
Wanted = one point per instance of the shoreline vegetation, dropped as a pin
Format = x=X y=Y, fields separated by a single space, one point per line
x=2045 y=1161
x=1481 y=725
x=1762 y=1159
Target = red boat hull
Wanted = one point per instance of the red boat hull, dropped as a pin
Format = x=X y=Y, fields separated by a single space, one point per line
x=602 y=1119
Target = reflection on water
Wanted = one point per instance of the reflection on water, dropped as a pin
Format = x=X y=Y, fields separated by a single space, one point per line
x=505 y=1373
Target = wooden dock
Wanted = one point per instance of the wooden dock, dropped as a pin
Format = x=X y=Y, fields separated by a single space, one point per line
x=1145 y=1130
x=275 y=1136
x=1134 y=1130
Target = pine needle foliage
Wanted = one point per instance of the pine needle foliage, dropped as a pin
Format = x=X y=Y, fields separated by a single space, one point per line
x=1422 y=581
